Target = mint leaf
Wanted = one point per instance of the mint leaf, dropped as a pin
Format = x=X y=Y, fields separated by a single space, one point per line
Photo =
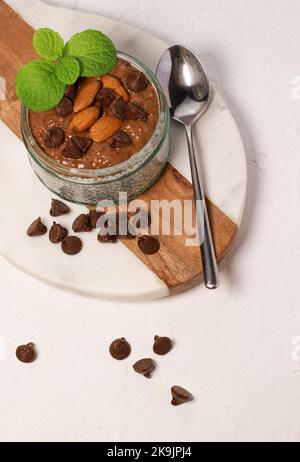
x=48 y=44
x=67 y=70
x=95 y=52
x=37 y=86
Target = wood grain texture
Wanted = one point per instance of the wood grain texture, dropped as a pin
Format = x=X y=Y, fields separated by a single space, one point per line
x=177 y=264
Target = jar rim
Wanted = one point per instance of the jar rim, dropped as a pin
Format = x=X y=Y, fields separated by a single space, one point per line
x=118 y=171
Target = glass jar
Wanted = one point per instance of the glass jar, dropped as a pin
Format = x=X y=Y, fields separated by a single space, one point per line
x=89 y=186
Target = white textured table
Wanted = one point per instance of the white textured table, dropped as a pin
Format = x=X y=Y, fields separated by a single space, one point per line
x=234 y=347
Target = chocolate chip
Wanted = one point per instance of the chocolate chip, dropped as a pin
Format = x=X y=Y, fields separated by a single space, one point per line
x=58 y=208
x=120 y=139
x=133 y=112
x=145 y=219
x=94 y=217
x=144 y=366
x=71 y=151
x=106 y=236
x=82 y=143
x=105 y=96
x=82 y=224
x=120 y=349
x=71 y=245
x=180 y=395
x=70 y=91
x=64 y=108
x=37 y=228
x=148 y=244
x=26 y=353
x=57 y=233
x=162 y=345
x=118 y=109
x=137 y=81
x=55 y=136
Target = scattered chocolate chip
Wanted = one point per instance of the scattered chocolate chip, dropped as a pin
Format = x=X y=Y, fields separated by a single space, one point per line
x=180 y=395
x=71 y=245
x=120 y=349
x=133 y=112
x=162 y=345
x=82 y=223
x=82 y=143
x=144 y=366
x=64 y=108
x=94 y=217
x=120 y=139
x=106 y=237
x=37 y=228
x=57 y=233
x=71 y=151
x=26 y=353
x=55 y=137
x=70 y=91
x=137 y=82
x=148 y=244
x=58 y=208
x=118 y=109
x=105 y=97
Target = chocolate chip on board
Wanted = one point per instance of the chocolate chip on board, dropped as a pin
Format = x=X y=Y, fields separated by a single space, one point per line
x=70 y=91
x=137 y=82
x=71 y=151
x=82 y=223
x=64 y=108
x=144 y=366
x=71 y=245
x=180 y=395
x=148 y=244
x=26 y=353
x=105 y=96
x=37 y=228
x=118 y=109
x=162 y=345
x=120 y=349
x=58 y=208
x=82 y=143
x=57 y=233
x=94 y=217
x=133 y=112
x=120 y=139
x=54 y=138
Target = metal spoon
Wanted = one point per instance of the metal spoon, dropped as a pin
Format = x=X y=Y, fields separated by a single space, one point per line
x=185 y=84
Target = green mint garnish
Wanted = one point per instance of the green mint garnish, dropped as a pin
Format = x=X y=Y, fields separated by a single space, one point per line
x=95 y=52
x=68 y=70
x=48 y=44
x=40 y=84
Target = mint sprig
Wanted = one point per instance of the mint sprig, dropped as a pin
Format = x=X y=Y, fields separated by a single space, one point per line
x=40 y=84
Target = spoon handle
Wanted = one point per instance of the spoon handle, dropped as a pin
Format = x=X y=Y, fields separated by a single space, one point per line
x=209 y=262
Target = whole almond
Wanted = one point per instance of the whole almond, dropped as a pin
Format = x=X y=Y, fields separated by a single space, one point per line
x=104 y=128
x=83 y=120
x=120 y=91
x=110 y=81
x=86 y=94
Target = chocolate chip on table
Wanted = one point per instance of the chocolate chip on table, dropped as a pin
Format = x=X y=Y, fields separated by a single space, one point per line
x=54 y=138
x=137 y=82
x=71 y=151
x=120 y=349
x=105 y=97
x=144 y=366
x=71 y=245
x=180 y=395
x=148 y=244
x=133 y=112
x=120 y=139
x=106 y=237
x=57 y=233
x=118 y=109
x=82 y=143
x=94 y=217
x=64 y=108
x=58 y=208
x=82 y=224
x=26 y=353
x=37 y=228
x=70 y=91
x=162 y=345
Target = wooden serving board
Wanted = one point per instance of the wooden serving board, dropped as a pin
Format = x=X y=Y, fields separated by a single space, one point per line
x=176 y=265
